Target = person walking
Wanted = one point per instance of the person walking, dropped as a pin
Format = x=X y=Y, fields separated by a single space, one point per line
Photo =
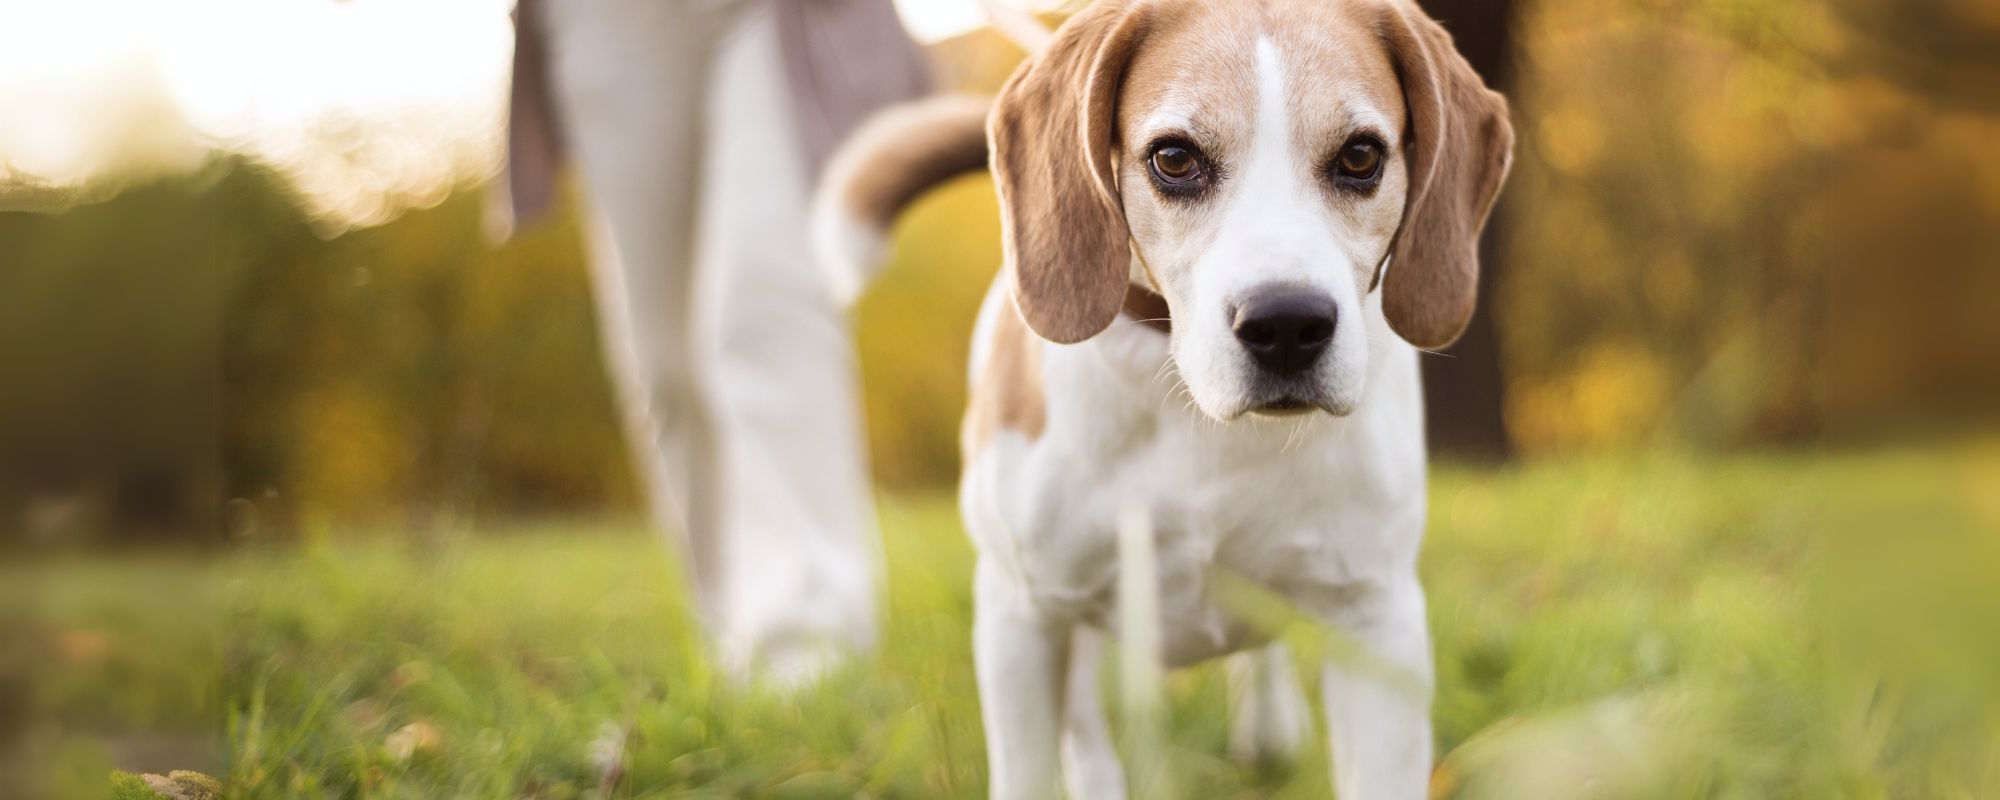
x=697 y=128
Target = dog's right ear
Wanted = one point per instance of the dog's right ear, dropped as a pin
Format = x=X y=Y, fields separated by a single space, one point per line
x=1052 y=132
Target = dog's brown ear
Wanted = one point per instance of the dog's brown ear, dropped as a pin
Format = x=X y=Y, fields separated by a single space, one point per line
x=1051 y=132
x=1459 y=146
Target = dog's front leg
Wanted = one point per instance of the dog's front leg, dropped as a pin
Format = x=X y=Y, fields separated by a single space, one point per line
x=1022 y=657
x=1378 y=700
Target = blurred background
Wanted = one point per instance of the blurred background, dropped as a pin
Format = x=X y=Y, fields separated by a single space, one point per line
x=1739 y=308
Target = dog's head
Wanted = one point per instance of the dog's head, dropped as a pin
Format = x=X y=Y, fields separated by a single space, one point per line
x=1259 y=165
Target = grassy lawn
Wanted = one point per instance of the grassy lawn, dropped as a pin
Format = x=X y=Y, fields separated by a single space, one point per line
x=1790 y=625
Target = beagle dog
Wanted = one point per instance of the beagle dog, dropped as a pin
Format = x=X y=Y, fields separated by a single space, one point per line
x=1228 y=229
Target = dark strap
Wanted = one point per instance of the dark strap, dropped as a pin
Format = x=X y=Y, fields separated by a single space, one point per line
x=1147 y=308
x=534 y=133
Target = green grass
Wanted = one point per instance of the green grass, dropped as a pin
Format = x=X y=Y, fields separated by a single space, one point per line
x=1784 y=625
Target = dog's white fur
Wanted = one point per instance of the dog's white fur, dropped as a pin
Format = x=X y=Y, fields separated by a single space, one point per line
x=1326 y=510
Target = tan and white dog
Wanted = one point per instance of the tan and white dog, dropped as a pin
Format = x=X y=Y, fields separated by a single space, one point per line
x=1229 y=226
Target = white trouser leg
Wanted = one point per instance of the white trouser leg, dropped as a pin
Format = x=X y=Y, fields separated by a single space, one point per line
x=800 y=563
x=629 y=78
x=732 y=364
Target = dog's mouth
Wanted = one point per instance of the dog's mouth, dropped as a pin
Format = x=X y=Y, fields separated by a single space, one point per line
x=1286 y=407
x=1296 y=400
x=1272 y=397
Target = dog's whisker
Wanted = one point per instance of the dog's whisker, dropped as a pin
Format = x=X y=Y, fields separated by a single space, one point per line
x=1293 y=437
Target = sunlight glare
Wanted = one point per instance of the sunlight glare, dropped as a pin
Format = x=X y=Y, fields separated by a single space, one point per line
x=932 y=21
x=369 y=106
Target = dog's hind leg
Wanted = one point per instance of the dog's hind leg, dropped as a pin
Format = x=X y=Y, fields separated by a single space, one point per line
x=1089 y=758
x=1270 y=721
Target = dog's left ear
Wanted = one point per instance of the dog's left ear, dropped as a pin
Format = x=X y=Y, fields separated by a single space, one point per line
x=1458 y=147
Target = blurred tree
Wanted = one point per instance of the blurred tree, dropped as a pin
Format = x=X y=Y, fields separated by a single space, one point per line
x=1948 y=50
x=1753 y=223
x=110 y=338
x=189 y=357
x=406 y=372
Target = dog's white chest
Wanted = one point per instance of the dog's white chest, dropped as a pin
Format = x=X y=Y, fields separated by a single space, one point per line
x=1307 y=509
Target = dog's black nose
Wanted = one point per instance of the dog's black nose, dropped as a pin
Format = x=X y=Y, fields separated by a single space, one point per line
x=1286 y=329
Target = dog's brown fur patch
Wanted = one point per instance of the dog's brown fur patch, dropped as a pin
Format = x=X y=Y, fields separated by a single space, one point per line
x=1008 y=390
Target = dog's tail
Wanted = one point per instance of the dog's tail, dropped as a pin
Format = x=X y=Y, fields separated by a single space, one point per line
x=886 y=164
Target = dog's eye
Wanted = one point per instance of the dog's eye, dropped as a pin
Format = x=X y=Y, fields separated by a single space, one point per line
x=1178 y=167
x=1177 y=164
x=1360 y=160
x=1359 y=164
